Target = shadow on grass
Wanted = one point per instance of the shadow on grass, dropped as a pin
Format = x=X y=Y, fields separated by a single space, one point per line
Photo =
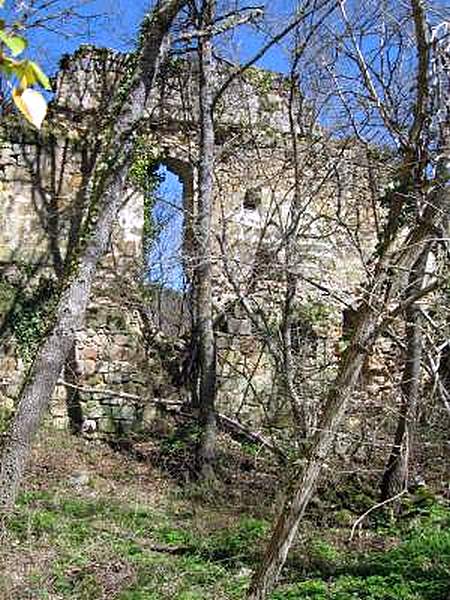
x=418 y=568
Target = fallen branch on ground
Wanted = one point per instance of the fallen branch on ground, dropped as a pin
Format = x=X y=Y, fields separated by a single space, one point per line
x=227 y=424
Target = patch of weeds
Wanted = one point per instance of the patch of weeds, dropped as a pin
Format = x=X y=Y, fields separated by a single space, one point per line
x=418 y=568
x=422 y=556
x=176 y=537
x=24 y=524
x=423 y=503
x=374 y=587
x=323 y=557
x=190 y=595
x=238 y=545
x=199 y=571
x=157 y=578
x=80 y=585
x=33 y=497
x=177 y=452
x=307 y=590
x=139 y=521
x=250 y=449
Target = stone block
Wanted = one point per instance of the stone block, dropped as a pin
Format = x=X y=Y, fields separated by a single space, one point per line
x=96 y=380
x=138 y=389
x=60 y=422
x=88 y=367
x=107 y=425
x=149 y=414
x=123 y=340
x=60 y=393
x=89 y=353
x=116 y=353
x=58 y=410
x=115 y=400
x=93 y=410
x=114 y=378
x=126 y=412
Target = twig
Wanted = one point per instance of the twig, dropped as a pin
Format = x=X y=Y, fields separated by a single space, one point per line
x=236 y=427
x=232 y=22
x=109 y=392
x=372 y=508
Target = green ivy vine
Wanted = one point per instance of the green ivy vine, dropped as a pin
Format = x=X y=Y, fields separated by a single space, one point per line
x=30 y=317
x=144 y=178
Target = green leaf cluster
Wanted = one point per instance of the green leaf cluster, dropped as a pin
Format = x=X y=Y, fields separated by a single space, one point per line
x=22 y=74
x=30 y=317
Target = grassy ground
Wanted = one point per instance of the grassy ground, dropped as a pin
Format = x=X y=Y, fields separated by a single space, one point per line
x=94 y=523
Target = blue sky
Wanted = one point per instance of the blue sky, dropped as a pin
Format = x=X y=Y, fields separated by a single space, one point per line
x=165 y=256
x=114 y=23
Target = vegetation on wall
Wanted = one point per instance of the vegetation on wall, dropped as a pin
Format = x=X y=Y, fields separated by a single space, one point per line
x=31 y=315
x=145 y=179
x=277 y=395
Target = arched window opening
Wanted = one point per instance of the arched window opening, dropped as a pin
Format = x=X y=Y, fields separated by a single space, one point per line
x=166 y=232
x=165 y=245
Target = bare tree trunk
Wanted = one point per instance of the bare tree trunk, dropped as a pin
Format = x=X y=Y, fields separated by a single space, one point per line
x=203 y=279
x=395 y=474
x=73 y=401
x=71 y=368
x=299 y=495
x=71 y=308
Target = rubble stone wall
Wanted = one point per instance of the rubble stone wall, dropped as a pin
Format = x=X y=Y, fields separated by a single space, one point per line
x=44 y=178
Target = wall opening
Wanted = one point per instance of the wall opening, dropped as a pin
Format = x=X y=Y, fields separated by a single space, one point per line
x=253 y=198
x=165 y=249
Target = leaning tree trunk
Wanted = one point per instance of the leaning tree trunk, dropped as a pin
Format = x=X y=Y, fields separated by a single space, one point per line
x=71 y=308
x=371 y=318
x=378 y=309
x=395 y=475
x=299 y=495
x=203 y=275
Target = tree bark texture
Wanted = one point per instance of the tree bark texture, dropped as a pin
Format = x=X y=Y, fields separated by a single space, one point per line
x=71 y=307
x=302 y=488
x=395 y=474
x=203 y=276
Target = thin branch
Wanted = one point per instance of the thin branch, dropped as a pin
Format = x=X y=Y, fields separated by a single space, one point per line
x=230 y=23
x=372 y=508
x=272 y=42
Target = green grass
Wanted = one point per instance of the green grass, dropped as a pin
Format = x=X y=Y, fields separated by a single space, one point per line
x=418 y=568
x=90 y=537
x=88 y=547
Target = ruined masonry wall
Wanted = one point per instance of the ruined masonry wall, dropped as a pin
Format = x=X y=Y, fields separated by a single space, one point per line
x=43 y=178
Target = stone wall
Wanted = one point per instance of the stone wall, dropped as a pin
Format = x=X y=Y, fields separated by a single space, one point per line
x=118 y=369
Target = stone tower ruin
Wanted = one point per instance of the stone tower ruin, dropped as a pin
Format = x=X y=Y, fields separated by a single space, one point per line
x=256 y=190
